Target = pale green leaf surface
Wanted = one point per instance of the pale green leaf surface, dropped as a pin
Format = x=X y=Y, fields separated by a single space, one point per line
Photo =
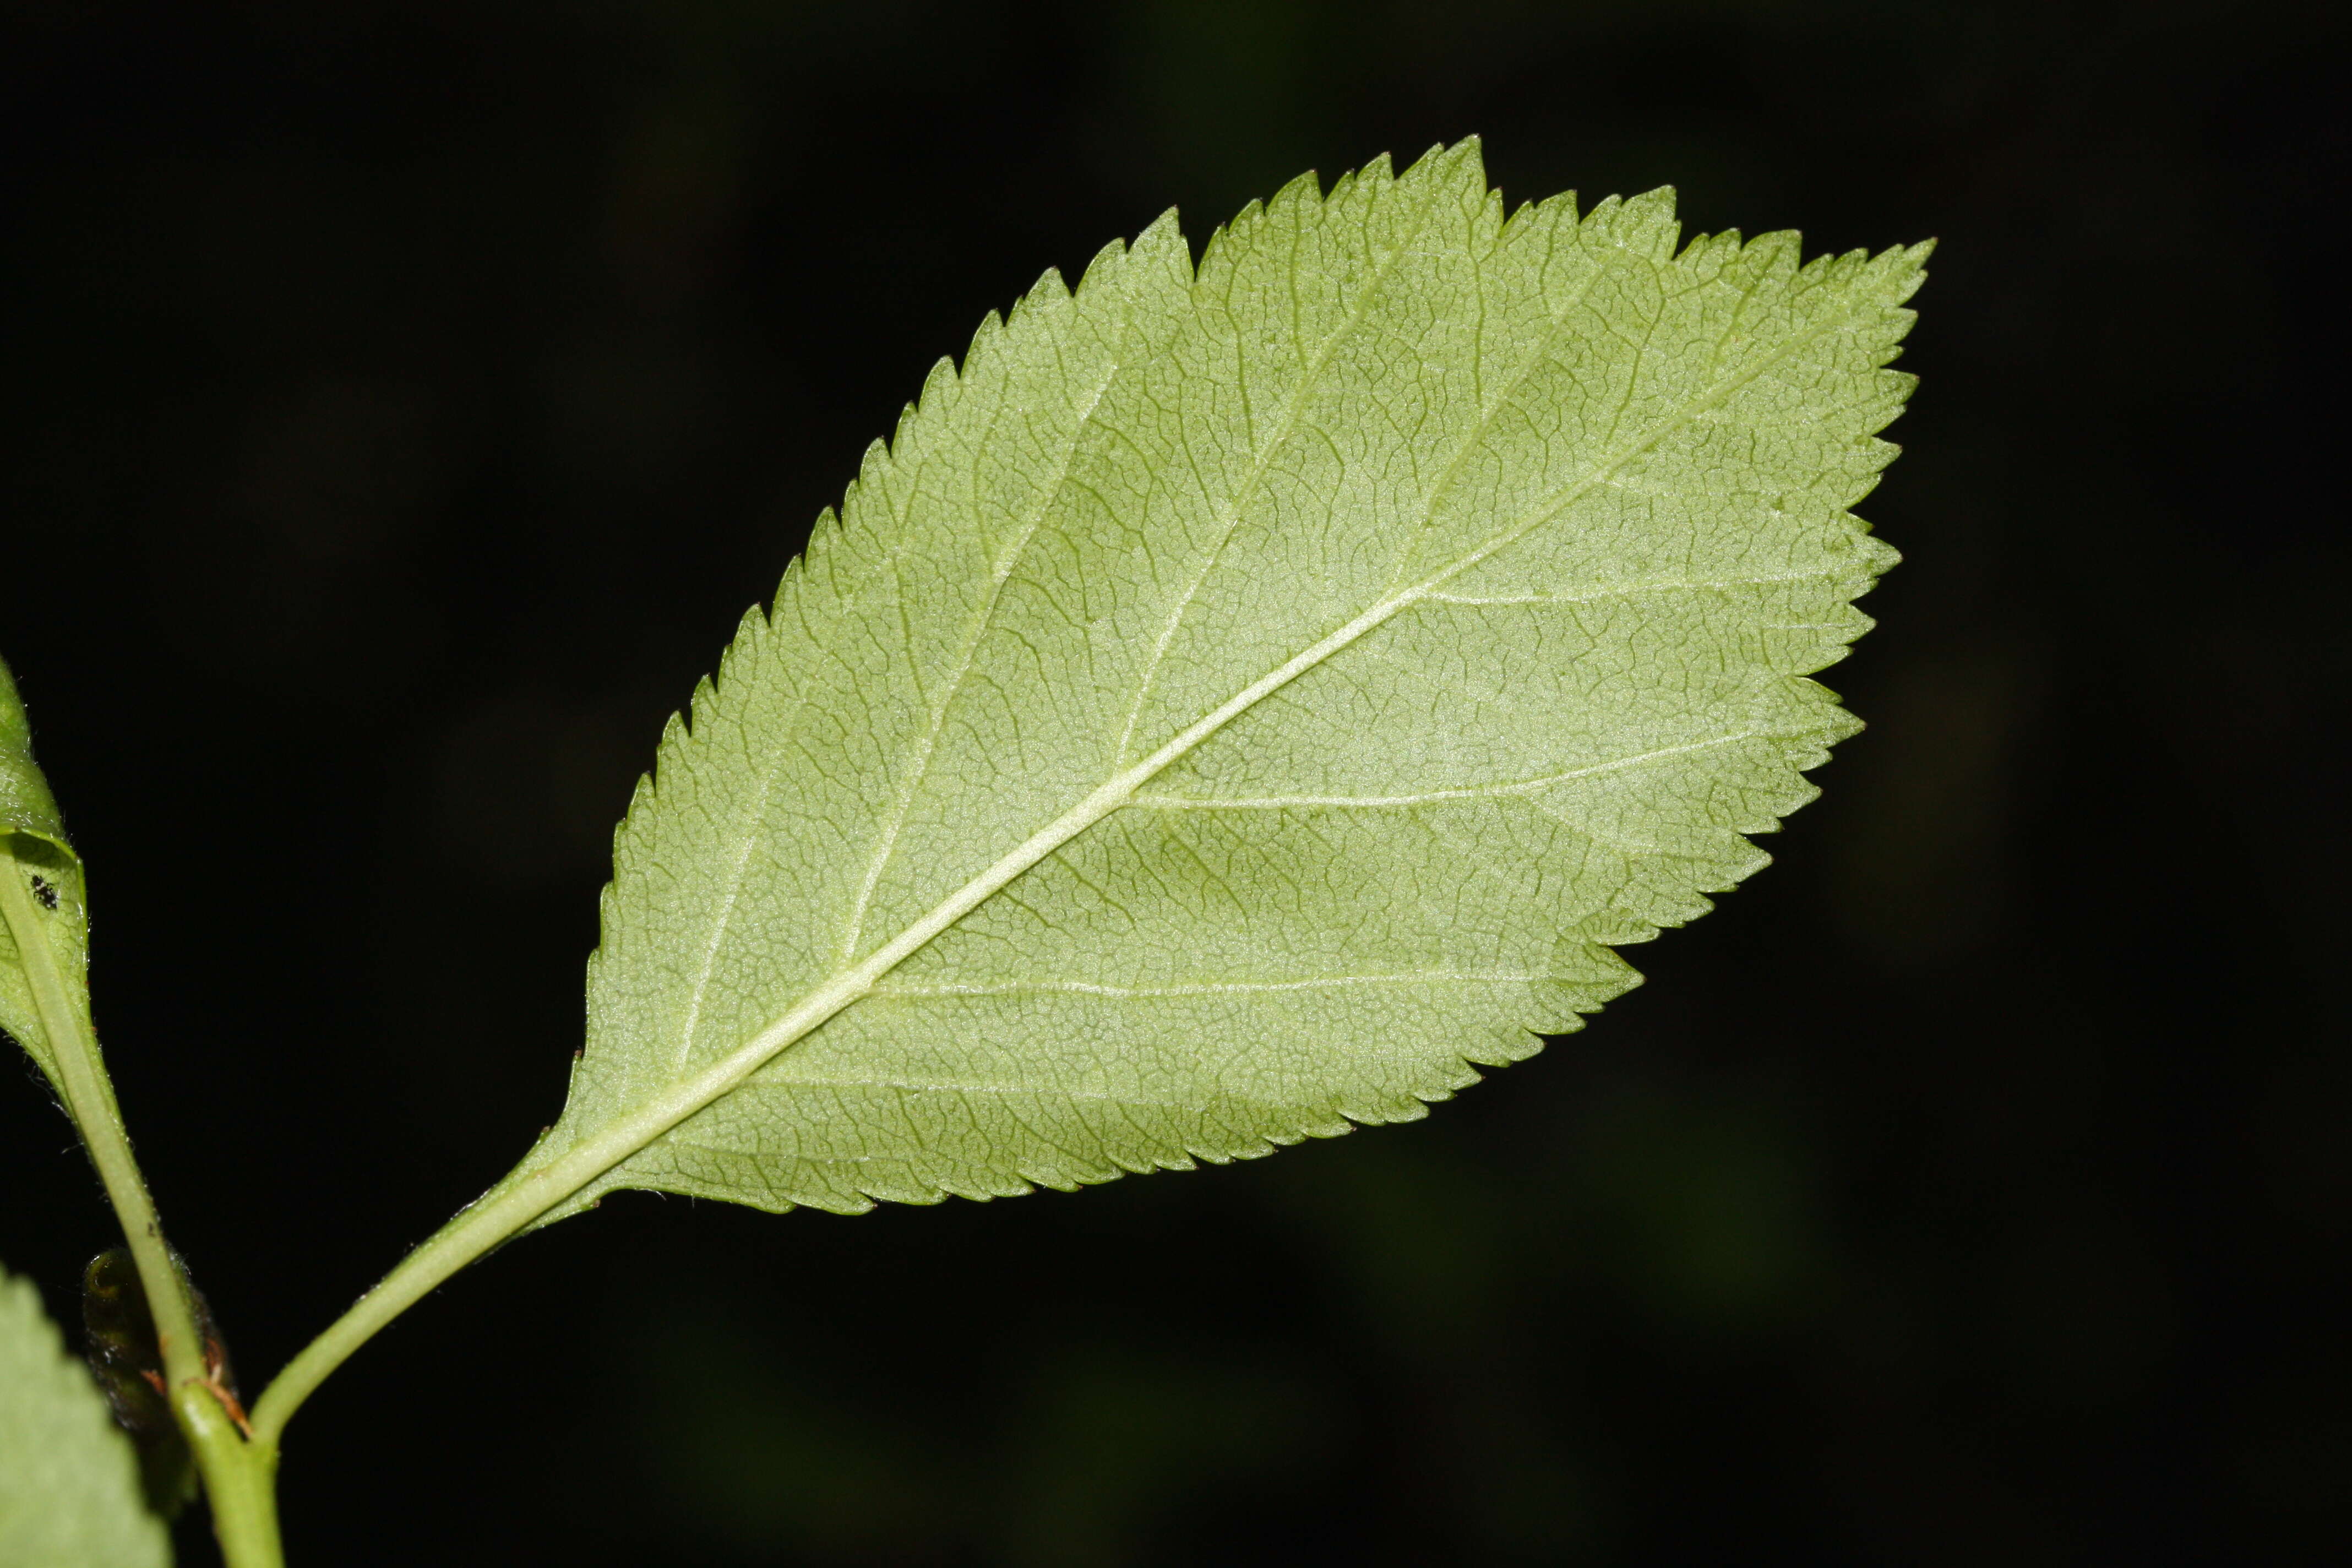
x=35 y=851
x=1237 y=704
x=68 y=1479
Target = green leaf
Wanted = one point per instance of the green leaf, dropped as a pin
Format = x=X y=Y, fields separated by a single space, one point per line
x=69 y=1481
x=1236 y=705
x=34 y=853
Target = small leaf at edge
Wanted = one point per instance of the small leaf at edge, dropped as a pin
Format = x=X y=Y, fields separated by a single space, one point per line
x=70 y=1491
x=35 y=851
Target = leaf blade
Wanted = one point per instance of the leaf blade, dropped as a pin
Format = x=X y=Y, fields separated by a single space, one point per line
x=70 y=1491
x=1021 y=806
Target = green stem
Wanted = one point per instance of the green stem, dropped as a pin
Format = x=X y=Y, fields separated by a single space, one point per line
x=530 y=1194
x=472 y=1232
x=240 y=1480
x=237 y=1474
x=513 y=1205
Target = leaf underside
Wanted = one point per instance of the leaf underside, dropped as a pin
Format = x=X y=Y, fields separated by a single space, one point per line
x=69 y=1481
x=1250 y=700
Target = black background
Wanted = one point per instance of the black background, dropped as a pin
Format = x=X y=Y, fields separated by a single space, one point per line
x=403 y=401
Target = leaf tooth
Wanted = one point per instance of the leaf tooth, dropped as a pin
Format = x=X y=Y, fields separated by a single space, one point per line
x=1904 y=268
x=940 y=386
x=1160 y=246
x=1552 y=213
x=1464 y=162
x=1104 y=270
x=1050 y=291
x=1304 y=191
x=704 y=705
x=987 y=340
x=1216 y=256
x=1643 y=224
x=1773 y=256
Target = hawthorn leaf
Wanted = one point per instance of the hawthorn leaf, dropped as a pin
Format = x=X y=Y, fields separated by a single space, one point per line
x=1240 y=702
x=70 y=1491
x=36 y=854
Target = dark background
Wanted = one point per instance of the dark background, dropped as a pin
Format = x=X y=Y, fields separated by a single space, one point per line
x=402 y=402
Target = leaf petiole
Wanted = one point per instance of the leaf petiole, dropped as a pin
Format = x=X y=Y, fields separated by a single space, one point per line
x=530 y=1194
